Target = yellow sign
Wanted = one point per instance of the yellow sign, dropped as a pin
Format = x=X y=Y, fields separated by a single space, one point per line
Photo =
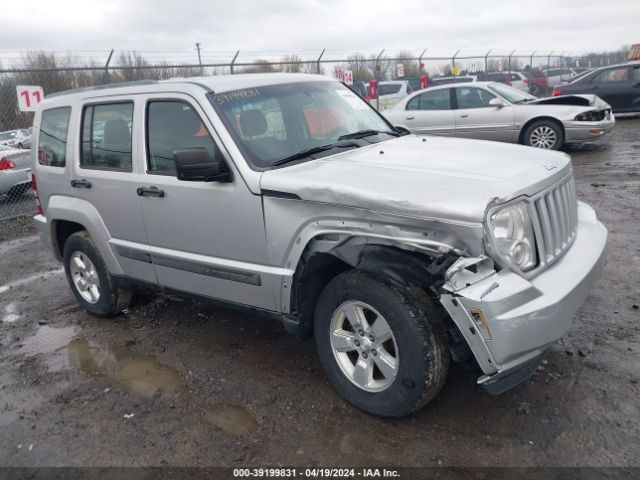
x=455 y=70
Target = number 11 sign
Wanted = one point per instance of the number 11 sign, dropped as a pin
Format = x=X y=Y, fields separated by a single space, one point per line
x=29 y=96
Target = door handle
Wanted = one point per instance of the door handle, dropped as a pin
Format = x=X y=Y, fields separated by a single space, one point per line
x=150 y=192
x=464 y=115
x=409 y=117
x=81 y=183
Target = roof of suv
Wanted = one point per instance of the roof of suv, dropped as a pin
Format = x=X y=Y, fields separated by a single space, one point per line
x=217 y=84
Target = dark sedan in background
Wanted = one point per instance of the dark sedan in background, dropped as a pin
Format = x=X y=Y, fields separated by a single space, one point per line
x=618 y=85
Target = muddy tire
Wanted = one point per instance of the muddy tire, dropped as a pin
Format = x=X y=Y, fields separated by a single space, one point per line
x=89 y=278
x=384 y=353
x=545 y=134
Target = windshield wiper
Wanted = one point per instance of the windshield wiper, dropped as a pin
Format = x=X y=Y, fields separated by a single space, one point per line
x=307 y=152
x=364 y=133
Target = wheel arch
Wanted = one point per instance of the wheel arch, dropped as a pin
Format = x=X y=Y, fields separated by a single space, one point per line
x=531 y=121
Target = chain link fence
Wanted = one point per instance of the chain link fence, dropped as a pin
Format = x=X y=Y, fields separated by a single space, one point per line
x=55 y=73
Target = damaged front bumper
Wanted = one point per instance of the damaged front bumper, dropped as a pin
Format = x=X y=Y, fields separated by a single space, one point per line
x=576 y=131
x=509 y=321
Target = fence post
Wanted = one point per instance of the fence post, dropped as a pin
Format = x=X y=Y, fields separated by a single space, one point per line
x=510 y=60
x=233 y=61
x=106 y=78
x=549 y=59
x=420 y=60
x=378 y=79
x=531 y=59
x=486 y=61
x=453 y=61
x=318 y=62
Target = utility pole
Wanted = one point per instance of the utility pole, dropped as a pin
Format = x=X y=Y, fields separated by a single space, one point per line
x=199 y=58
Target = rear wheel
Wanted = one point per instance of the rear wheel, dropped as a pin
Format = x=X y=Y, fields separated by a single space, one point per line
x=384 y=353
x=545 y=134
x=89 y=278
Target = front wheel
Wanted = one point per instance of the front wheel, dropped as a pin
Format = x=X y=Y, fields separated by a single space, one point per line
x=544 y=134
x=384 y=353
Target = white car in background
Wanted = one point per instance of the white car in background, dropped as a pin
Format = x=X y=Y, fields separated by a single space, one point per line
x=16 y=138
x=390 y=93
x=15 y=171
x=519 y=80
x=559 y=76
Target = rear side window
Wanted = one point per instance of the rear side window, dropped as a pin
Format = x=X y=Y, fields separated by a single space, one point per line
x=52 y=141
x=431 y=100
x=389 y=89
x=106 y=136
x=174 y=125
x=612 y=75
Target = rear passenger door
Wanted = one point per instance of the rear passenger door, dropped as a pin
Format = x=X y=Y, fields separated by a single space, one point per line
x=206 y=238
x=614 y=85
x=430 y=113
x=107 y=175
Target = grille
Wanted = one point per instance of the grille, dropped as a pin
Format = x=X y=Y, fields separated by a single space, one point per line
x=555 y=220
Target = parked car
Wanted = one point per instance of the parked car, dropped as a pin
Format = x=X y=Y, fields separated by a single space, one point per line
x=15 y=171
x=618 y=85
x=16 y=138
x=493 y=111
x=538 y=82
x=500 y=77
x=559 y=76
x=399 y=254
x=437 y=81
x=391 y=92
x=520 y=80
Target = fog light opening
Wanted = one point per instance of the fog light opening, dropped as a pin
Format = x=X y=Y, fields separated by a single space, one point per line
x=481 y=323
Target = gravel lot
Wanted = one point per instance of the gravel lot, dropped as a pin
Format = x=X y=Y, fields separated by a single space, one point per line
x=173 y=382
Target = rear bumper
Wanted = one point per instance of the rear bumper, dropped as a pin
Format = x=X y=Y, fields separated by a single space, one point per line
x=587 y=131
x=524 y=317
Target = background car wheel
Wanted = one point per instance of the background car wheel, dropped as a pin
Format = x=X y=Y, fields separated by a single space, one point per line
x=89 y=279
x=384 y=354
x=545 y=134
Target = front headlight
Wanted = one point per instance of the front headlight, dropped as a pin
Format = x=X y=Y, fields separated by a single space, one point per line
x=512 y=234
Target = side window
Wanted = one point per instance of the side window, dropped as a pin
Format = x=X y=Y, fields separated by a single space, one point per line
x=636 y=74
x=515 y=77
x=471 y=97
x=52 y=141
x=174 y=125
x=106 y=136
x=612 y=75
x=433 y=100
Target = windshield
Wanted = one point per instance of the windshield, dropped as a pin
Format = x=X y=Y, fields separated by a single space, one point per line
x=272 y=123
x=512 y=95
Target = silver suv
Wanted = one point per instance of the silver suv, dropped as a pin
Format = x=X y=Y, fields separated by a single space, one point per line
x=289 y=196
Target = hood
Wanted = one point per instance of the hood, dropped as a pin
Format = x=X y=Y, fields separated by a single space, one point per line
x=573 y=100
x=424 y=177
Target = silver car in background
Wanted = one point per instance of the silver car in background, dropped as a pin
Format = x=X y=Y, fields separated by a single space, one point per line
x=493 y=111
x=15 y=171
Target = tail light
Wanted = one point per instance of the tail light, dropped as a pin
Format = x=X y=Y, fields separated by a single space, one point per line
x=526 y=82
x=508 y=82
x=556 y=93
x=34 y=185
x=6 y=164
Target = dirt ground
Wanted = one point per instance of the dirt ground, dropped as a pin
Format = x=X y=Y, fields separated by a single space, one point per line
x=173 y=382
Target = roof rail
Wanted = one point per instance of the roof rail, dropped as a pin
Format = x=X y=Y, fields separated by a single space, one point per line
x=103 y=87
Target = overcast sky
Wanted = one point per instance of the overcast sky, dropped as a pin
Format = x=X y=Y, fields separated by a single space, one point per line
x=277 y=26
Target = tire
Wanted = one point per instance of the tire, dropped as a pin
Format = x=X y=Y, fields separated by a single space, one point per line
x=418 y=348
x=545 y=134
x=102 y=297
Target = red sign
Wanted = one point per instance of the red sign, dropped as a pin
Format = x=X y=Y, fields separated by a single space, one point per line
x=339 y=74
x=373 y=89
x=424 y=81
x=348 y=77
x=29 y=96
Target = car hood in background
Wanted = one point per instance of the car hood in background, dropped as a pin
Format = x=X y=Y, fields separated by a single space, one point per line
x=574 y=100
x=424 y=177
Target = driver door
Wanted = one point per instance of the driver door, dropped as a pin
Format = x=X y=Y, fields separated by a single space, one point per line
x=476 y=118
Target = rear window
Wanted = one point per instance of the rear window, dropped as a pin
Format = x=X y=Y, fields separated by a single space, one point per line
x=389 y=89
x=52 y=141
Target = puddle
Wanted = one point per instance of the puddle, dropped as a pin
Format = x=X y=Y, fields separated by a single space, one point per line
x=133 y=372
x=23 y=281
x=233 y=419
x=10 y=314
x=51 y=342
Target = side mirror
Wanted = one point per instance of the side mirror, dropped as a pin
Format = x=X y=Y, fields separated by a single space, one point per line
x=496 y=102
x=401 y=130
x=195 y=165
